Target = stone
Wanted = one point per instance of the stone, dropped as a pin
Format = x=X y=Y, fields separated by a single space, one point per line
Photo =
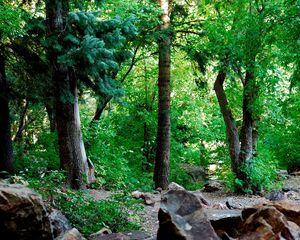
x=149 y=199
x=175 y=186
x=274 y=220
x=59 y=222
x=197 y=173
x=72 y=234
x=213 y=186
x=231 y=204
x=23 y=214
x=112 y=236
x=137 y=235
x=181 y=216
x=276 y=195
x=101 y=232
x=223 y=221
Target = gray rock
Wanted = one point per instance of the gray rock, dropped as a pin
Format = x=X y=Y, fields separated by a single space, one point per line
x=112 y=236
x=137 y=235
x=60 y=223
x=225 y=222
x=23 y=214
x=72 y=234
x=213 y=186
x=181 y=216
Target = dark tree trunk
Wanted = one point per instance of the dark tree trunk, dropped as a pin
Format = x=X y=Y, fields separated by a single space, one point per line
x=231 y=129
x=246 y=137
x=51 y=116
x=162 y=160
x=6 y=148
x=101 y=105
x=22 y=122
x=71 y=148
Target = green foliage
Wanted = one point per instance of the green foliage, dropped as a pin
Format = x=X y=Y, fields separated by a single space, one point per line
x=11 y=20
x=89 y=216
x=85 y=213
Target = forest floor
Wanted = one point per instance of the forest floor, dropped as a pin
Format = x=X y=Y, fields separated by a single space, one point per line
x=149 y=215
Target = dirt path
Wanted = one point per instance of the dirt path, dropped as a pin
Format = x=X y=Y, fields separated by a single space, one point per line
x=149 y=220
x=218 y=199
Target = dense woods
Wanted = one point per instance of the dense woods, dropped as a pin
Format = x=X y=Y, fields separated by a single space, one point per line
x=125 y=95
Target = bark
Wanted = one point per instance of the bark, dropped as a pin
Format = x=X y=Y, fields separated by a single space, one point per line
x=246 y=137
x=22 y=122
x=51 y=115
x=162 y=160
x=101 y=105
x=231 y=128
x=71 y=149
x=6 y=148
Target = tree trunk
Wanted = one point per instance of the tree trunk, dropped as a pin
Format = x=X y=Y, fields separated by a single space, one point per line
x=246 y=138
x=231 y=129
x=101 y=105
x=6 y=148
x=22 y=122
x=71 y=148
x=162 y=160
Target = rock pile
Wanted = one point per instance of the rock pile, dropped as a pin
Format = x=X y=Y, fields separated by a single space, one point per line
x=182 y=216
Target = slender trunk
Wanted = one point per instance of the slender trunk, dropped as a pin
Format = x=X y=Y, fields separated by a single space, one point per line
x=162 y=160
x=246 y=137
x=6 y=148
x=22 y=122
x=71 y=148
x=51 y=116
x=231 y=129
x=101 y=105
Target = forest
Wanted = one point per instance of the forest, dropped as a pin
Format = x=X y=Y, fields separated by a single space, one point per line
x=118 y=96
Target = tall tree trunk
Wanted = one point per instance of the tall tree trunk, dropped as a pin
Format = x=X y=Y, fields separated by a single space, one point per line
x=6 y=148
x=246 y=137
x=231 y=129
x=71 y=148
x=162 y=160
x=22 y=122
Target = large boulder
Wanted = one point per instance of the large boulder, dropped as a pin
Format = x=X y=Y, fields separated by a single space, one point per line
x=23 y=214
x=280 y=220
x=181 y=216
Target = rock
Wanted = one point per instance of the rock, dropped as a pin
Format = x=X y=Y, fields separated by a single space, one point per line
x=198 y=173
x=59 y=222
x=279 y=220
x=296 y=173
x=181 y=216
x=201 y=198
x=231 y=204
x=223 y=221
x=213 y=186
x=72 y=234
x=101 y=232
x=112 y=236
x=277 y=195
x=137 y=194
x=175 y=186
x=23 y=214
x=149 y=199
x=137 y=235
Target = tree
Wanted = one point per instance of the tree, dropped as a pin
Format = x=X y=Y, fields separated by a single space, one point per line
x=10 y=21
x=6 y=149
x=162 y=160
x=237 y=36
x=71 y=148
